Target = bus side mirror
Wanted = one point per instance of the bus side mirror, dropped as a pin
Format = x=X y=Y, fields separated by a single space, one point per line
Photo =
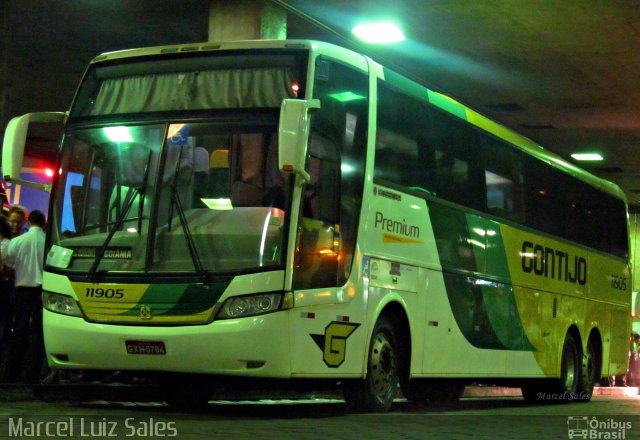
x=293 y=135
x=15 y=139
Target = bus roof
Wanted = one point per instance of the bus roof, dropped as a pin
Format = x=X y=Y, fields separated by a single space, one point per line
x=210 y=47
x=412 y=87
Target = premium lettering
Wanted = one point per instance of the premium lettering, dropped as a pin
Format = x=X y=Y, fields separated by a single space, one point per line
x=395 y=226
x=553 y=263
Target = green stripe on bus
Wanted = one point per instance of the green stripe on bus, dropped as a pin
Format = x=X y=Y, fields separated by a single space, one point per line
x=502 y=132
x=201 y=296
x=453 y=238
x=448 y=104
x=180 y=299
x=486 y=311
x=409 y=87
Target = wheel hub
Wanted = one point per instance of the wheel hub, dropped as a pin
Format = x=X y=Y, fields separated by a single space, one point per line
x=384 y=367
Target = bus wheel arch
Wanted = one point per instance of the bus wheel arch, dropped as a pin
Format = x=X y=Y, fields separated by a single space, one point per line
x=398 y=316
x=388 y=360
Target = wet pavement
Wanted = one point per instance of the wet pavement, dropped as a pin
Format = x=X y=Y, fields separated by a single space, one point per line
x=501 y=413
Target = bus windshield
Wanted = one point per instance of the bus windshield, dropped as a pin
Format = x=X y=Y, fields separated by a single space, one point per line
x=171 y=197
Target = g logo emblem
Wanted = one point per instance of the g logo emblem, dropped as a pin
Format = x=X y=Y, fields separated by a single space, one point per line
x=145 y=312
x=334 y=342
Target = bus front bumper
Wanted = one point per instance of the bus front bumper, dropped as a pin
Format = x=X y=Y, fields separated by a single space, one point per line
x=254 y=346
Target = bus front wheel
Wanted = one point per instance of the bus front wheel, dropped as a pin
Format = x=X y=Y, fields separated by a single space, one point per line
x=376 y=392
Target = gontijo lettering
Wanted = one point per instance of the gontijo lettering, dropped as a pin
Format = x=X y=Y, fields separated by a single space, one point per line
x=553 y=263
x=395 y=226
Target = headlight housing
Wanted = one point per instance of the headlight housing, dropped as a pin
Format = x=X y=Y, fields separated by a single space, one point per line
x=250 y=305
x=63 y=304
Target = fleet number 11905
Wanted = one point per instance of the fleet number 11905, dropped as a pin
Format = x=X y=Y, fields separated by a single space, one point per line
x=99 y=292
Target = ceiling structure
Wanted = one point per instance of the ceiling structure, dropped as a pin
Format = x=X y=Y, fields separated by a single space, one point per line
x=563 y=73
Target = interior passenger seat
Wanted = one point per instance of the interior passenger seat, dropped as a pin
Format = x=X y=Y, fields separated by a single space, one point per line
x=219 y=174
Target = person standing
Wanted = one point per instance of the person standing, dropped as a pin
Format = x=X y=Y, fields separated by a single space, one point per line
x=25 y=353
x=6 y=287
x=17 y=216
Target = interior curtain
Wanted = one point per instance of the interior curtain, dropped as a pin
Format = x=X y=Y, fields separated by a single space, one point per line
x=216 y=89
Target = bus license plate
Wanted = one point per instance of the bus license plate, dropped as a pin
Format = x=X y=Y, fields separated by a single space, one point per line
x=145 y=347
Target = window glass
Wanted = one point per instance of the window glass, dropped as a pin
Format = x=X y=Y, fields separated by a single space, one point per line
x=503 y=179
x=109 y=182
x=175 y=198
x=333 y=197
x=425 y=150
x=561 y=205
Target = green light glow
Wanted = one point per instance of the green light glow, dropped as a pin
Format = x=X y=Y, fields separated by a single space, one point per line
x=587 y=156
x=380 y=33
x=346 y=96
x=118 y=134
x=218 y=204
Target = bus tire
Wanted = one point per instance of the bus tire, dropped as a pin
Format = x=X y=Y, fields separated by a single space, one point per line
x=376 y=392
x=590 y=373
x=570 y=369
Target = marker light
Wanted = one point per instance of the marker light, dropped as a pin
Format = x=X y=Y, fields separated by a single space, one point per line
x=48 y=172
x=380 y=33
x=587 y=156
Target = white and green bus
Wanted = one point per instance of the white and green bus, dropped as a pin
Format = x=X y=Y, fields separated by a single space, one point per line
x=291 y=212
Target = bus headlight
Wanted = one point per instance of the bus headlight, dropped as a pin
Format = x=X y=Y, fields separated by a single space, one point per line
x=241 y=306
x=58 y=303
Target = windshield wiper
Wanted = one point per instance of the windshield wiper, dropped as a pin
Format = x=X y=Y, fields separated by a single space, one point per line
x=175 y=199
x=130 y=198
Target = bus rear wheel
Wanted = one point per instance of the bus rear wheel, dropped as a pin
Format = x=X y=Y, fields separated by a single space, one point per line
x=571 y=368
x=376 y=392
x=590 y=372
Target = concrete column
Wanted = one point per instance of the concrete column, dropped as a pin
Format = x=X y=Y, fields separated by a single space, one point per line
x=4 y=37
x=246 y=20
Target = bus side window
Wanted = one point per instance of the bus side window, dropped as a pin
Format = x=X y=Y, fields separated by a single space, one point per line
x=316 y=262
